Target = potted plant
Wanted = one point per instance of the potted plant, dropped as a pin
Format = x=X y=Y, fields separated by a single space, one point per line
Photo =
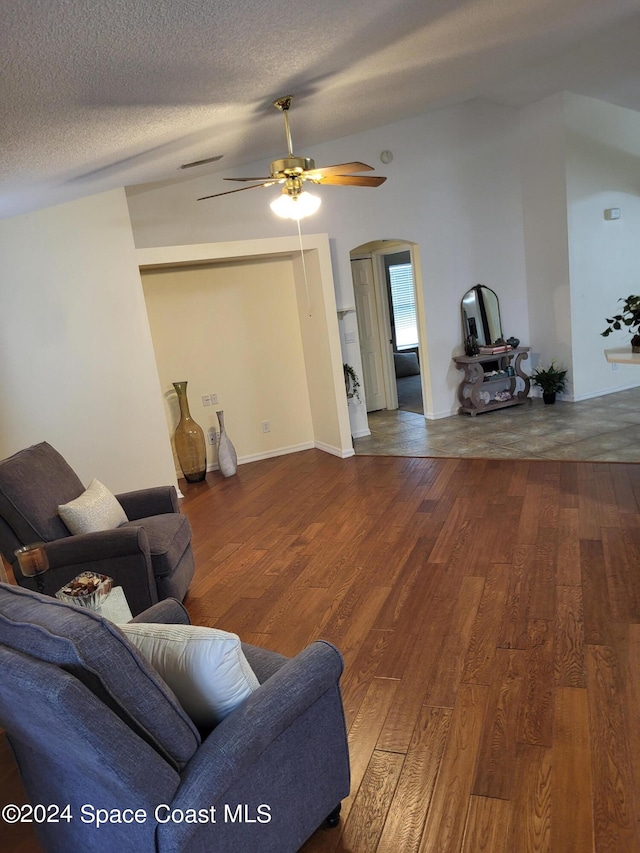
x=351 y=382
x=552 y=380
x=630 y=318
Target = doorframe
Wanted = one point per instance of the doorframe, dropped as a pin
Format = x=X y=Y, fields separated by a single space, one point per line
x=376 y=250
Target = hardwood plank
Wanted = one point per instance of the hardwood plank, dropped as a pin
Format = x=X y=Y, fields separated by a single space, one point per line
x=364 y=733
x=596 y=606
x=363 y=827
x=535 y=723
x=587 y=507
x=623 y=580
x=568 y=553
x=405 y=821
x=481 y=651
x=359 y=674
x=615 y=812
x=571 y=816
x=514 y=627
x=495 y=767
x=542 y=587
x=448 y=673
x=446 y=818
x=608 y=513
x=530 y=828
x=629 y=651
x=487 y=827
x=569 y=634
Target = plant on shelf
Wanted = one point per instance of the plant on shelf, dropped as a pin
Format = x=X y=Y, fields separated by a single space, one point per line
x=630 y=318
x=351 y=382
x=552 y=380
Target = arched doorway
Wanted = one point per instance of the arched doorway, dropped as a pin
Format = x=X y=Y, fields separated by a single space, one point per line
x=391 y=329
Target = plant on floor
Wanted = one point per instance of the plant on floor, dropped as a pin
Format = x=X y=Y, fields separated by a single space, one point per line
x=552 y=380
x=630 y=318
x=351 y=382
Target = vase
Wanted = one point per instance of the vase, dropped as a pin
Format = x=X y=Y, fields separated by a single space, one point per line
x=227 y=456
x=189 y=440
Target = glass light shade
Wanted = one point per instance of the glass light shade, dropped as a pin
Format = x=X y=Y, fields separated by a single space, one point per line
x=295 y=206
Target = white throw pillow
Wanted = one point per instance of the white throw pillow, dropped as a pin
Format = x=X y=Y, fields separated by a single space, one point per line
x=96 y=509
x=206 y=668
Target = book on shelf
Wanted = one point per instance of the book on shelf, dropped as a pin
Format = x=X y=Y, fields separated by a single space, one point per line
x=495 y=350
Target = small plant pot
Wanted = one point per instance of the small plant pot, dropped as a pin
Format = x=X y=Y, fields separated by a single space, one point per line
x=549 y=397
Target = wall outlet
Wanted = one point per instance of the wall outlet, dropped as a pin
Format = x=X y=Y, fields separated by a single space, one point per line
x=206 y=400
x=214 y=399
x=266 y=426
x=213 y=435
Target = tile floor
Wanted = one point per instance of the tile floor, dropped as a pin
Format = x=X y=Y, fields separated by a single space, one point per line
x=604 y=429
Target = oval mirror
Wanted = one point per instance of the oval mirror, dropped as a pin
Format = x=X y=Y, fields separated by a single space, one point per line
x=481 y=315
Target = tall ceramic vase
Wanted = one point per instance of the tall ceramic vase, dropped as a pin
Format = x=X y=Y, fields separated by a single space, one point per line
x=189 y=440
x=227 y=456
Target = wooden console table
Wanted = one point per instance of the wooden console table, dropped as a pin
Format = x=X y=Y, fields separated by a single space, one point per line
x=476 y=392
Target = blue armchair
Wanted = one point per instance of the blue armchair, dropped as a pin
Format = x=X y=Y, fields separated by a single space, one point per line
x=149 y=556
x=99 y=738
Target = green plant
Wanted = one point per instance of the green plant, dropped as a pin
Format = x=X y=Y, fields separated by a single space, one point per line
x=351 y=382
x=552 y=379
x=630 y=318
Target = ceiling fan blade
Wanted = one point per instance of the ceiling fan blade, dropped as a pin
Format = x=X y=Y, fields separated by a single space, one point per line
x=261 y=178
x=342 y=169
x=241 y=189
x=353 y=180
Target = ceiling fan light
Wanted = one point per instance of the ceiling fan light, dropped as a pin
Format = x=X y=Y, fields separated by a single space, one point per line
x=295 y=206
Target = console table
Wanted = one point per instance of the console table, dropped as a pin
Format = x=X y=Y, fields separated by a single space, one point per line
x=477 y=391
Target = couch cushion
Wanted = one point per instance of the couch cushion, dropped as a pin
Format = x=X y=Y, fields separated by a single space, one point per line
x=169 y=536
x=206 y=668
x=94 y=510
x=406 y=364
x=97 y=654
x=33 y=482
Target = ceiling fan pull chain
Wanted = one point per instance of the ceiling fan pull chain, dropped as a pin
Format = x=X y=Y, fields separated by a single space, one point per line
x=304 y=268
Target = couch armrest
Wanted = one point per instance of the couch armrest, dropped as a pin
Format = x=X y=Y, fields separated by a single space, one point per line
x=235 y=744
x=89 y=547
x=167 y=612
x=123 y=554
x=145 y=502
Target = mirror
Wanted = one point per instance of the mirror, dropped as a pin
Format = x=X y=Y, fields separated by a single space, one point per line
x=481 y=315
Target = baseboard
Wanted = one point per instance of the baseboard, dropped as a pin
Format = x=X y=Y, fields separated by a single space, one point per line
x=280 y=451
x=595 y=394
x=335 y=451
x=361 y=433
x=283 y=451
x=436 y=416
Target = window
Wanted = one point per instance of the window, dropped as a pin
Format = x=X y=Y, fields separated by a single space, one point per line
x=402 y=296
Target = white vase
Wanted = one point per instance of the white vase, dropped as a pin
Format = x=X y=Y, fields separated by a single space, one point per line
x=227 y=456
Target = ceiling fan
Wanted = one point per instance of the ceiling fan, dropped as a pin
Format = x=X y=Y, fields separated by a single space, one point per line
x=293 y=172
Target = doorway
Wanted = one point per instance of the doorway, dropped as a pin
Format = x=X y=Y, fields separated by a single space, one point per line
x=390 y=324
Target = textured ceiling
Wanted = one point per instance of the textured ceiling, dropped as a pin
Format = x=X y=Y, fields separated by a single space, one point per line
x=99 y=94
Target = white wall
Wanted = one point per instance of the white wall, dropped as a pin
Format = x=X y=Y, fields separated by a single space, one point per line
x=232 y=329
x=545 y=229
x=76 y=362
x=580 y=157
x=603 y=171
x=308 y=331
x=453 y=188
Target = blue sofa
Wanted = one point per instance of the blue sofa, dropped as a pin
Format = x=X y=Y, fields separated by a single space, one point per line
x=99 y=738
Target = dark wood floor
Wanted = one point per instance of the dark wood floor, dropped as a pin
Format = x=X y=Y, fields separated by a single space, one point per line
x=489 y=616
